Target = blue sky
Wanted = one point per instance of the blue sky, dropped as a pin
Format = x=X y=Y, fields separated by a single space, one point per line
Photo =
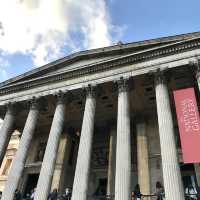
x=35 y=32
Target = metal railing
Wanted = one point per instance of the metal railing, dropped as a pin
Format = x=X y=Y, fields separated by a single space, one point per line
x=144 y=197
x=111 y=197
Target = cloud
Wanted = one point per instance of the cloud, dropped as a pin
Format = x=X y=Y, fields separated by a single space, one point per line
x=42 y=28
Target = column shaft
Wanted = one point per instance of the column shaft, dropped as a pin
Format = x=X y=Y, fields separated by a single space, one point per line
x=123 y=151
x=197 y=172
x=62 y=156
x=6 y=131
x=111 y=162
x=20 y=157
x=48 y=164
x=171 y=170
x=143 y=159
x=80 y=186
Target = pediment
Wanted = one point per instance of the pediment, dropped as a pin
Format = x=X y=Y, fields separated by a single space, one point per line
x=94 y=57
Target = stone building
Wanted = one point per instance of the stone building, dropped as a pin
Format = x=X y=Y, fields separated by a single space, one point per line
x=7 y=161
x=102 y=120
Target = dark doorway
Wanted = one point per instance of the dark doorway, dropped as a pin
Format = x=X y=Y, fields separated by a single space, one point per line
x=31 y=183
x=188 y=175
x=102 y=187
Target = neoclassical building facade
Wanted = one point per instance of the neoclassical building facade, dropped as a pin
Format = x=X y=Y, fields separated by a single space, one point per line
x=101 y=121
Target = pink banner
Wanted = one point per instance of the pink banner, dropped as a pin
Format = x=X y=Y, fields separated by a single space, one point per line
x=188 y=123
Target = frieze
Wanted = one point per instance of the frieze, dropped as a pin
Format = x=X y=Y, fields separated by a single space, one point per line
x=108 y=65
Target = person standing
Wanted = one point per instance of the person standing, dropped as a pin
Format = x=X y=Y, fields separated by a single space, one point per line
x=18 y=195
x=198 y=193
x=159 y=191
x=53 y=195
x=191 y=192
x=68 y=193
x=137 y=193
x=33 y=194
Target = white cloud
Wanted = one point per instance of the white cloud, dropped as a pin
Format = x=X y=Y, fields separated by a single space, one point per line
x=41 y=28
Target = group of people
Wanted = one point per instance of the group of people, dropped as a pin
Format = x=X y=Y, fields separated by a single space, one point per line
x=54 y=195
x=191 y=193
x=159 y=193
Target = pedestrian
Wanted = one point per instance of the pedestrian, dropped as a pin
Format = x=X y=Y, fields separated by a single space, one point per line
x=132 y=196
x=198 y=193
x=33 y=194
x=18 y=195
x=53 y=195
x=159 y=191
x=191 y=192
x=68 y=193
x=28 y=196
x=137 y=193
x=0 y=194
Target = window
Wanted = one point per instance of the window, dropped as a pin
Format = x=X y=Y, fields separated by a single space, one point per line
x=71 y=154
x=40 y=152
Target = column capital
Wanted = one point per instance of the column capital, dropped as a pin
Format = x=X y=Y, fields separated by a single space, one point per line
x=11 y=107
x=34 y=103
x=90 y=90
x=196 y=65
x=123 y=84
x=61 y=97
x=160 y=76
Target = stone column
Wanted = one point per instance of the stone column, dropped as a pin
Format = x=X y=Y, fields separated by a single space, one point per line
x=170 y=164
x=6 y=130
x=143 y=158
x=80 y=186
x=20 y=158
x=62 y=157
x=197 y=70
x=48 y=164
x=123 y=149
x=111 y=162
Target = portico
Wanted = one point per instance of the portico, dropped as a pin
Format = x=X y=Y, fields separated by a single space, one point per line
x=100 y=121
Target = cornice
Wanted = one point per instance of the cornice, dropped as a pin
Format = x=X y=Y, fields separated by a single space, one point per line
x=145 y=55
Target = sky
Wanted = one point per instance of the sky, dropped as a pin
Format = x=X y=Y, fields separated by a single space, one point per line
x=36 y=32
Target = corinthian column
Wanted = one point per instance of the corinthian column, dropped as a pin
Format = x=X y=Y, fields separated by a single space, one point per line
x=20 y=157
x=170 y=164
x=197 y=69
x=123 y=149
x=80 y=186
x=143 y=158
x=48 y=164
x=6 y=130
x=111 y=162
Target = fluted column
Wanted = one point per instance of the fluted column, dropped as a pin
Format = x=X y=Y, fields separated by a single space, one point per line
x=197 y=69
x=143 y=158
x=170 y=164
x=62 y=156
x=48 y=164
x=21 y=155
x=6 y=130
x=111 y=162
x=80 y=186
x=123 y=149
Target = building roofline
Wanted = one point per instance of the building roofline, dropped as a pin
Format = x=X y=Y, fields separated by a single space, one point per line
x=104 y=51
